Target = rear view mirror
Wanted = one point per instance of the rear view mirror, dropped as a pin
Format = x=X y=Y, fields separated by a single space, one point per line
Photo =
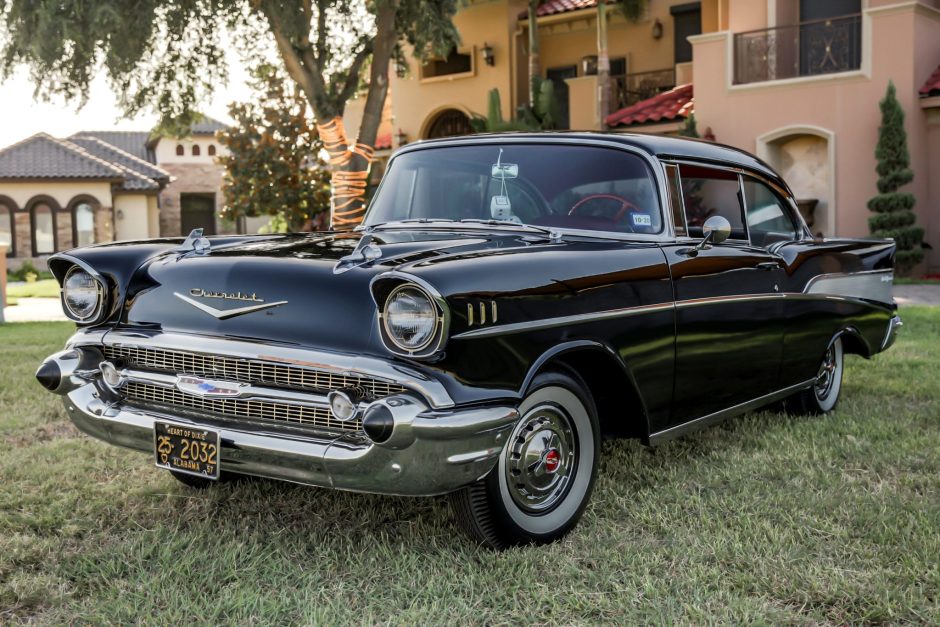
x=505 y=171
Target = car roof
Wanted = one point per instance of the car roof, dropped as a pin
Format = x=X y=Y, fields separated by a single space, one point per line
x=660 y=146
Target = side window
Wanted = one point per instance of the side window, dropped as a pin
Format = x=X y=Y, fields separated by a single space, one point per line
x=708 y=192
x=769 y=219
x=675 y=198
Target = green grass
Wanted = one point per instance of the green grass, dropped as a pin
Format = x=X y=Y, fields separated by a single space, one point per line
x=47 y=288
x=767 y=518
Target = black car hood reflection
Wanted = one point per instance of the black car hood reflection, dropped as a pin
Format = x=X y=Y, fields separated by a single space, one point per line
x=194 y=293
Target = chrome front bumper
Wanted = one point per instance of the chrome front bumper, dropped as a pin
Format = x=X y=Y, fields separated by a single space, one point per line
x=894 y=325
x=446 y=450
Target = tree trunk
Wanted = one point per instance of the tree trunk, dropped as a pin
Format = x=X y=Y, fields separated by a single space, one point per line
x=603 y=66
x=534 y=70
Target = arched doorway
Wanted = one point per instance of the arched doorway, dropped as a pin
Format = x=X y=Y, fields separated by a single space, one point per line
x=449 y=123
x=805 y=157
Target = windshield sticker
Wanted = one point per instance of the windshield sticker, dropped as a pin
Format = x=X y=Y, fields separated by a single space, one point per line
x=641 y=219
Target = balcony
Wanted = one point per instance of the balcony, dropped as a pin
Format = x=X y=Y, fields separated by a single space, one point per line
x=812 y=48
x=628 y=89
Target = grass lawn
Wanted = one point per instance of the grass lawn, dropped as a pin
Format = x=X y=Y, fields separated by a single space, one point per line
x=766 y=518
x=47 y=288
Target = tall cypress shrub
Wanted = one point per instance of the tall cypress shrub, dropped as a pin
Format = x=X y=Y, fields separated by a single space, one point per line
x=893 y=209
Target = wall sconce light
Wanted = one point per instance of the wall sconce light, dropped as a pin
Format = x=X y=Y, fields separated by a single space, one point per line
x=488 y=56
x=401 y=137
x=657 y=29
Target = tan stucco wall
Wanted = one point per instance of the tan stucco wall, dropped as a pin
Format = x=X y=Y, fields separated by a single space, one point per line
x=131 y=216
x=415 y=101
x=165 y=150
x=904 y=46
x=62 y=192
x=153 y=216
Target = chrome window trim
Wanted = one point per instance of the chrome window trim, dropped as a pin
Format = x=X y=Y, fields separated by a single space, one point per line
x=341 y=363
x=667 y=235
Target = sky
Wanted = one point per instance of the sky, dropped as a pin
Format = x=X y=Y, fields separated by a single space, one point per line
x=21 y=116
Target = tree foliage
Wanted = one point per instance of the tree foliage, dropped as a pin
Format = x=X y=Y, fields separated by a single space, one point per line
x=272 y=166
x=168 y=56
x=894 y=217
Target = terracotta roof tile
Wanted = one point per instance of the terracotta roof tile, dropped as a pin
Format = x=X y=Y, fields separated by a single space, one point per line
x=133 y=142
x=553 y=7
x=674 y=104
x=44 y=157
x=932 y=86
x=383 y=142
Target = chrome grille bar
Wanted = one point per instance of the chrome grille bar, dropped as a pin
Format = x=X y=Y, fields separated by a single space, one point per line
x=246 y=370
x=149 y=394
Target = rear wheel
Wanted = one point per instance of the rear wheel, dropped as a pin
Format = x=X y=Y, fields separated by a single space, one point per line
x=545 y=474
x=823 y=396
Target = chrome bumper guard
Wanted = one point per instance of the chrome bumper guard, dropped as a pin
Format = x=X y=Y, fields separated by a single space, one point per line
x=894 y=325
x=429 y=451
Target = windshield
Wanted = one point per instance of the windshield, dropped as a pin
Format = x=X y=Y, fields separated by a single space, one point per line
x=546 y=185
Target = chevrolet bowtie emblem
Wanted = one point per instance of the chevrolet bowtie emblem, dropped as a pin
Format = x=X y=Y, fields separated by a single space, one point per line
x=224 y=314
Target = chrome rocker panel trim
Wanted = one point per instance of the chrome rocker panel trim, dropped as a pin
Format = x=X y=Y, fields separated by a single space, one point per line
x=449 y=449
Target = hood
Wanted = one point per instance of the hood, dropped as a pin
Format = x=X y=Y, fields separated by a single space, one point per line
x=304 y=289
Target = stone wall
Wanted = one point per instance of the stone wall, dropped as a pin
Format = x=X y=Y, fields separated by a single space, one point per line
x=189 y=178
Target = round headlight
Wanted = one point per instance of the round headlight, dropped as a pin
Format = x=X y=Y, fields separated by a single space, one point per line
x=410 y=318
x=81 y=294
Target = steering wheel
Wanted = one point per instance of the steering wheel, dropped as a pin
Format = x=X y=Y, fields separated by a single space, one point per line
x=625 y=205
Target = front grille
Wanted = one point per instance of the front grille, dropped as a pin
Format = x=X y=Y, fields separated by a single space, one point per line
x=149 y=394
x=246 y=371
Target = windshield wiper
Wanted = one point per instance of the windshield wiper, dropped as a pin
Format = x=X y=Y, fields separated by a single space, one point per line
x=552 y=234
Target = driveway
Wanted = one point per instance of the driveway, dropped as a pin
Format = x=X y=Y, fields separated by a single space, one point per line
x=917 y=294
x=34 y=310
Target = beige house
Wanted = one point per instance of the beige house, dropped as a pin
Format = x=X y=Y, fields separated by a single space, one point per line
x=795 y=81
x=103 y=186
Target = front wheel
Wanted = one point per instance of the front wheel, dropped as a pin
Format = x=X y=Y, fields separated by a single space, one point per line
x=822 y=397
x=545 y=474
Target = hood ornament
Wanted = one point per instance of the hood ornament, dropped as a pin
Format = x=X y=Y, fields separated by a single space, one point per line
x=195 y=243
x=365 y=253
x=225 y=314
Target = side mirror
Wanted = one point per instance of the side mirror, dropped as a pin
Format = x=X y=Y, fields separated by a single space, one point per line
x=715 y=230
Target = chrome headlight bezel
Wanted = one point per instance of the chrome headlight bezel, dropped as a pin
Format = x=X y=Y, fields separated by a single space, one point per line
x=435 y=341
x=101 y=292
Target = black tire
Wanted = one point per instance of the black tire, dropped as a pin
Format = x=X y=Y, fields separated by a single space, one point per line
x=823 y=396
x=201 y=483
x=541 y=500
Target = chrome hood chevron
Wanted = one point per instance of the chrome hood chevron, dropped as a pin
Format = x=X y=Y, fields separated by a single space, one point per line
x=225 y=314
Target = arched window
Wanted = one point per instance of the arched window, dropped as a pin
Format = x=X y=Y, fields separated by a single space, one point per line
x=211 y=150
x=6 y=228
x=180 y=151
x=43 y=225
x=195 y=150
x=83 y=223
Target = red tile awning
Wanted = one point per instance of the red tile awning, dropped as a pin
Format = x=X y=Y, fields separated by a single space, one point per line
x=675 y=104
x=553 y=7
x=383 y=142
x=932 y=86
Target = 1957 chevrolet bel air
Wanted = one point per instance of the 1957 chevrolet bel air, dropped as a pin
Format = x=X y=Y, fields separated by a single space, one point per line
x=509 y=300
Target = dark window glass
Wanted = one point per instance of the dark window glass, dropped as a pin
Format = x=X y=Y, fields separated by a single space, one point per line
x=6 y=229
x=687 y=21
x=43 y=230
x=84 y=221
x=196 y=151
x=180 y=151
x=708 y=192
x=573 y=187
x=675 y=199
x=211 y=150
x=453 y=63
x=769 y=218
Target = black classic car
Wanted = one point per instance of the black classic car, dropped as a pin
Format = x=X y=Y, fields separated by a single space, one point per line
x=508 y=301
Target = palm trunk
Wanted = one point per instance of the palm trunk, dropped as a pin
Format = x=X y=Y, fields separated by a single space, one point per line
x=534 y=70
x=603 y=66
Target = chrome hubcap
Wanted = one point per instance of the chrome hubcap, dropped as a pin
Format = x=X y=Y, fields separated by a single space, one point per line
x=541 y=458
x=826 y=375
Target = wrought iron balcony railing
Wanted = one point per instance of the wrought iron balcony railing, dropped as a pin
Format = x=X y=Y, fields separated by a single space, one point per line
x=806 y=49
x=628 y=89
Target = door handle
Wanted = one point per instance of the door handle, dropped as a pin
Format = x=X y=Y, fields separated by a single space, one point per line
x=768 y=265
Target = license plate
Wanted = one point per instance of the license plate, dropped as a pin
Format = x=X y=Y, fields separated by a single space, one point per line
x=187 y=449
